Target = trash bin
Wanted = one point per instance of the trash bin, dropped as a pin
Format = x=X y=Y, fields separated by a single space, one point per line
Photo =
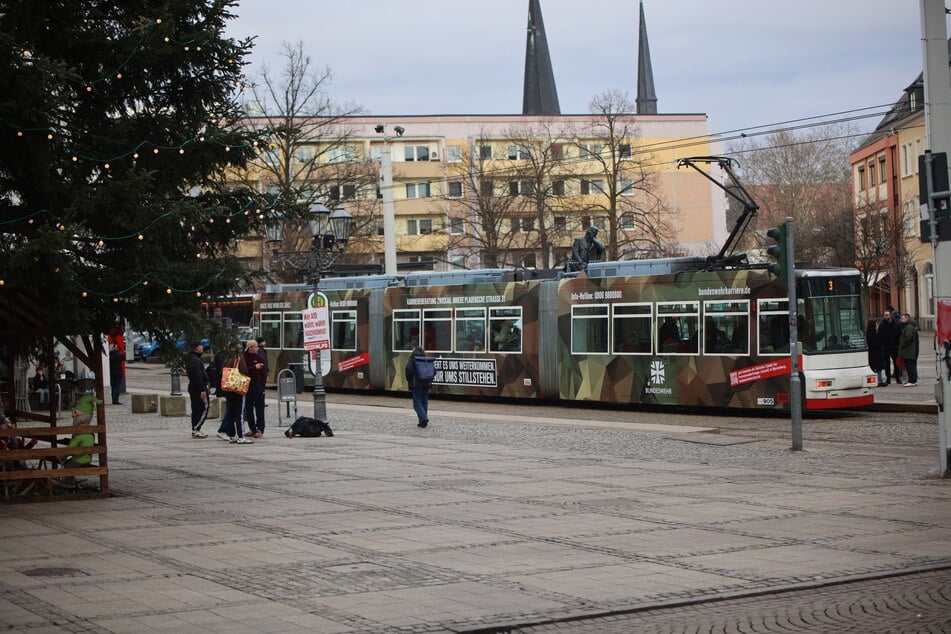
x=298 y=370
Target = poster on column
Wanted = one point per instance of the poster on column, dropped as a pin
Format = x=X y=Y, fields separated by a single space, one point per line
x=317 y=332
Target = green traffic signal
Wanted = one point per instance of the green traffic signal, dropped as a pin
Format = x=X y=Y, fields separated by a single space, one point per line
x=778 y=250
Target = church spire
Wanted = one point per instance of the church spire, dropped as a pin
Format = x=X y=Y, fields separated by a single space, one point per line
x=539 y=95
x=646 y=97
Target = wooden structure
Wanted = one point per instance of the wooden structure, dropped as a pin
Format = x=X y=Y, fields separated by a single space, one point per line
x=34 y=445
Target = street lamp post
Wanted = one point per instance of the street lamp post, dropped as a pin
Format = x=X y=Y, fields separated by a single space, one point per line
x=386 y=189
x=330 y=233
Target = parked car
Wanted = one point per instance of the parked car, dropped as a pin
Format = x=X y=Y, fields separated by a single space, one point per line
x=150 y=348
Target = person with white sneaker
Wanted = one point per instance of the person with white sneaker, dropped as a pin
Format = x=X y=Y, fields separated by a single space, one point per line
x=231 y=426
x=908 y=349
x=197 y=388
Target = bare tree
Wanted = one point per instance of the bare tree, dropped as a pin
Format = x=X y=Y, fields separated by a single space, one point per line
x=881 y=252
x=487 y=206
x=311 y=152
x=638 y=220
x=805 y=175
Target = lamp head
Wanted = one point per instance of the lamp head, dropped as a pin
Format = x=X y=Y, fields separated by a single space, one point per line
x=379 y=128
x=399 y=130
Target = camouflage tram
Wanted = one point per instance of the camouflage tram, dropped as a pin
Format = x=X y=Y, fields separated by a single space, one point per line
x=673 y=331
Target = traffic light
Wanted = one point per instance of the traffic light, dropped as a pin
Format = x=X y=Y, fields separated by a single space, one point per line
x=779 y=250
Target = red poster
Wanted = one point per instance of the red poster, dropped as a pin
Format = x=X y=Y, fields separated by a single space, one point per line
x=761 y=371
x=353 y=362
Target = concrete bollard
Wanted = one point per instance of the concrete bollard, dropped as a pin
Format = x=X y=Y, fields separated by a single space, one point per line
x=144 y=403
x=172 y=405
x=216 y=407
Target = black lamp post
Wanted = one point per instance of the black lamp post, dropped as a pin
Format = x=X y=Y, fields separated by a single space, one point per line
x=331 y=232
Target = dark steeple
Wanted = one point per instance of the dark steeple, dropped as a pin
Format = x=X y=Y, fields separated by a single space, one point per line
x=646 y=97
x=539 y=95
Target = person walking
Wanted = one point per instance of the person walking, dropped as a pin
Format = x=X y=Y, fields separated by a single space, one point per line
x=254 y=401
x=230 y=428
x=197 y=388
x=116 y=359
x=875 y=353
x=889 y=331
x=908 y=349
x=420 y=371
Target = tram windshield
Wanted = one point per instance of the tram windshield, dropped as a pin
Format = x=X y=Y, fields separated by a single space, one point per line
x=830 y=314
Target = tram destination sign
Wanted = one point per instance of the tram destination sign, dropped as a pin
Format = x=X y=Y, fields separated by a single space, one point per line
x=466 y=372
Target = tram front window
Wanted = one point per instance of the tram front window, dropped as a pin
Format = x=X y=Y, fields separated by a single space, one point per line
x=830 y=315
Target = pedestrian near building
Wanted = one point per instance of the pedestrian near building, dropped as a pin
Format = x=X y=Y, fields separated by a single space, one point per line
x=876 y=355
x=197 y=388
x=908 y=349
x=254 y=400
x=420 y=371
x=116 y=360
x=41 y=385
x=889 y=332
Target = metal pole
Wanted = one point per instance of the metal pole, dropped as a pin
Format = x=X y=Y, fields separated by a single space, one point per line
x=389 y=211
x=795 y=384
x=320 y=395
x=934 y=52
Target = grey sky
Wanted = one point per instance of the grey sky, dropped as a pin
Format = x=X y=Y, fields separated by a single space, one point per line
x=744 y=63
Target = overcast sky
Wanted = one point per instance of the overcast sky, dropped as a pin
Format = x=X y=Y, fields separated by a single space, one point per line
x=744 y=63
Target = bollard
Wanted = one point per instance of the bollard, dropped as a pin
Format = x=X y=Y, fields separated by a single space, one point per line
x=176 y=375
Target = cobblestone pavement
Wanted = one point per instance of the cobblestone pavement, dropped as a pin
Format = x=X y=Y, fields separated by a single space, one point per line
x=908 y=603
x=492 y=518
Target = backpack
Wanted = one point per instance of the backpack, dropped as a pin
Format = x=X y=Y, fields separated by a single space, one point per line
x=307 y=427
x=425 y=368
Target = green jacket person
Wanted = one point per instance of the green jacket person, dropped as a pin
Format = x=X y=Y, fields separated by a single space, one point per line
x=82 y=415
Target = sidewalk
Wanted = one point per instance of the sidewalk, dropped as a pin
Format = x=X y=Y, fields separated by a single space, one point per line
x=465 y=525
x=920 y=398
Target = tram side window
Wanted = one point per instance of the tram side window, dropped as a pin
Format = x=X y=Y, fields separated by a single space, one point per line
x=437 y=330
x=270 y=329
x=470 y=330
x=632 y=329
x=726 y=328
x=405 y=330
x=343 y=330
x=773 y=328
x=293 y=331
x=589 y=329
x=678 y=332
x=505 y=329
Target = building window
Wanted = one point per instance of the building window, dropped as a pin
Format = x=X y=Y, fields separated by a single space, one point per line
x=455 y=189
x=487 y=187
x=454 y=153
x=558 y=187
x=376 y=153
x=485 y=152
x=524 y=224
x=519 y=152
x=420 y=227
x=590 y=150
x=624 y=151
x=529 y=261
x=342 y=192
x=379 y=228
x=882 y=174
x=417 y=190
x=627 y=222
x=625 y=187
x=457 y=226
x=557 y=151
x=521 y=188
x=304 y=154
x=595 y=186
x=418 y=153
x=863 y=185
x=561 y=223
x=272 y=158
x=340 y=155
x=871 y=174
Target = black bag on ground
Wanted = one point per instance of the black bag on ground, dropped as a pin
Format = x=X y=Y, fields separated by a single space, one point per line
x=307 y=427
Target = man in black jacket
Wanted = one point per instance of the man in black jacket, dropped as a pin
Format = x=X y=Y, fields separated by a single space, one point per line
x=197 y=388
x=889 y=332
